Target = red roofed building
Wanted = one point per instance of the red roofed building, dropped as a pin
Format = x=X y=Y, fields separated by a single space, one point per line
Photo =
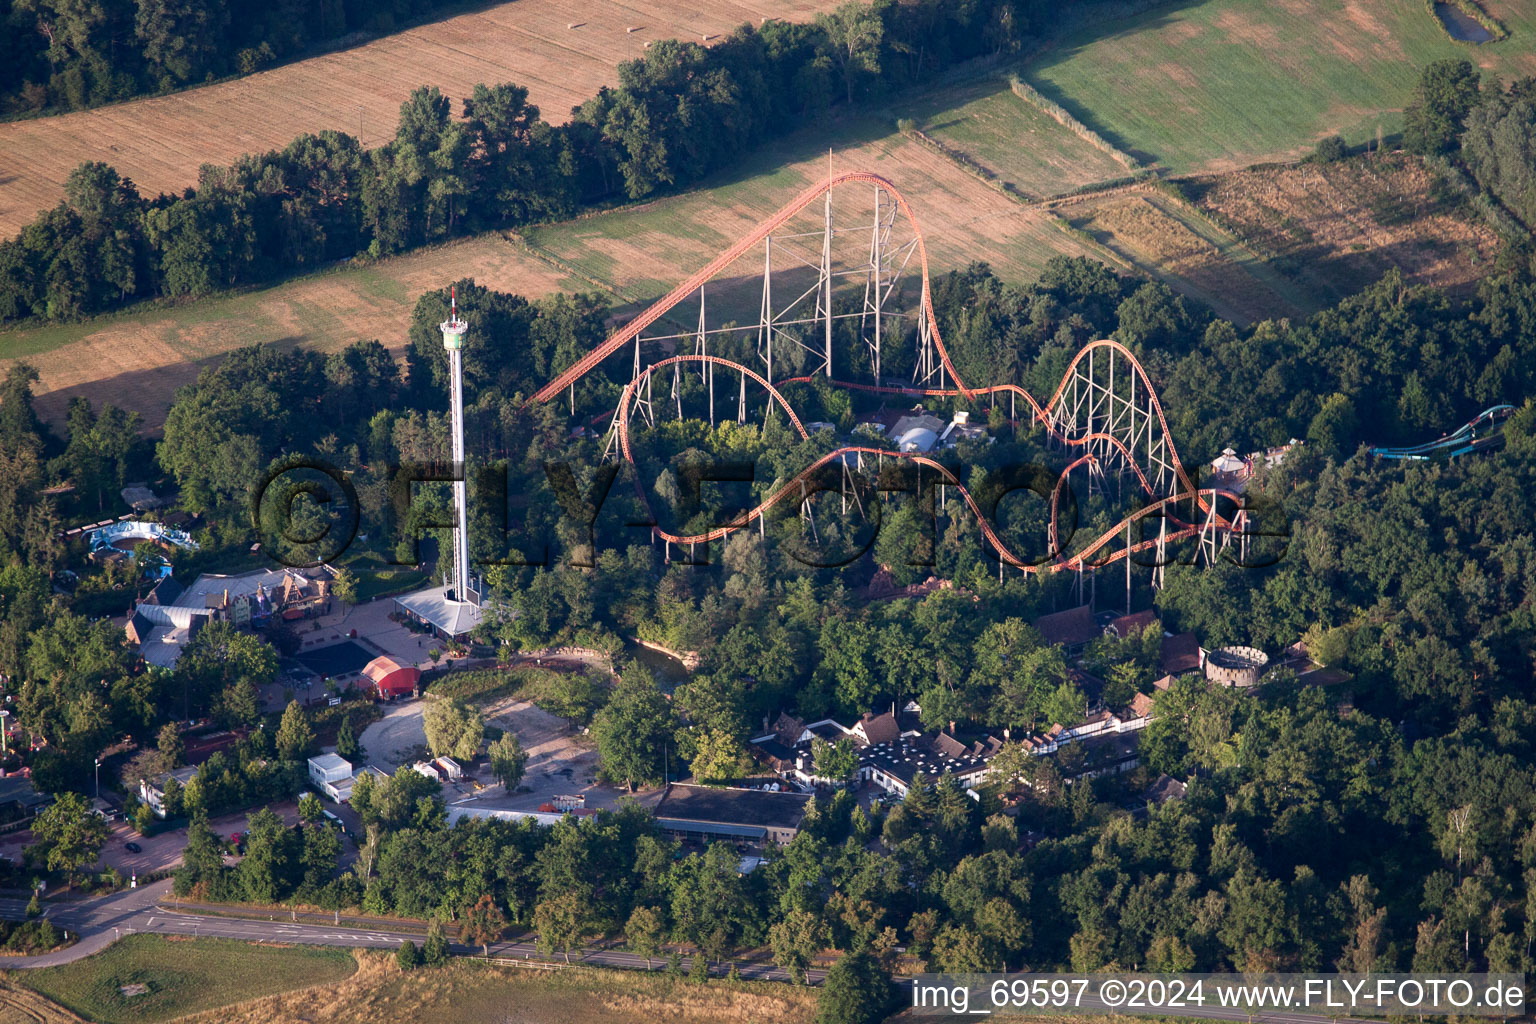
x=1071 y=629
x=390 y=679
x=1180 y=654
x=1127 y=626
x=1141 y=706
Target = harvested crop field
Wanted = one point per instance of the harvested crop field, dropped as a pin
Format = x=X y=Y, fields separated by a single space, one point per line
x=646 y=250
x=1220 y=84
x=160 y=142
x=1339 y=227
x=1012 y=137
x=1192 y=257
x=23 y=1006
x=475 y=993
x=137 y=360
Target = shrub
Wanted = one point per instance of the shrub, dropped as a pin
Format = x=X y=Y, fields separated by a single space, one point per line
x=435 y=952
x=1330 y=150
x=408 y=957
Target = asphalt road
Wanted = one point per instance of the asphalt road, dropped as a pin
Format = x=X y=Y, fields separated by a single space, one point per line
x=101 y=922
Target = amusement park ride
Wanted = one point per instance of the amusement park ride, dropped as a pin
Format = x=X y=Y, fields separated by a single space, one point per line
x=1483 y=432
x=1104 y=410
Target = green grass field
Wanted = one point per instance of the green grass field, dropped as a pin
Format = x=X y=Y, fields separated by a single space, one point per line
x=1010 y=136
x=185 y=976
x=1219 y=84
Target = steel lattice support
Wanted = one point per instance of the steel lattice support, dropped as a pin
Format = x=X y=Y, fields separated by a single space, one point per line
x=1105 y=410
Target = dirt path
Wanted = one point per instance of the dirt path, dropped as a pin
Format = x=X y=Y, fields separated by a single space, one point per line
x=560 y=759
x=399 y=731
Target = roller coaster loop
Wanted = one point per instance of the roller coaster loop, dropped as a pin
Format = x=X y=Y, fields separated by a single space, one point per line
x=1123 y=424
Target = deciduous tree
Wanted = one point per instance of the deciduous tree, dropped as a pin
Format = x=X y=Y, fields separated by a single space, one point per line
x=68 y=835
x=508 y=760
x=454 y=728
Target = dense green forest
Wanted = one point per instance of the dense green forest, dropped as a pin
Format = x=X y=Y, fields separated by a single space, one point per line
x=677 y=115
x=1390 y=825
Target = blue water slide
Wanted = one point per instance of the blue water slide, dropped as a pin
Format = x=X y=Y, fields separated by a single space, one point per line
x=1484 y=432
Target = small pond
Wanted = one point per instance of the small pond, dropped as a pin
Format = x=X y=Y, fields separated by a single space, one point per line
x=669 y=672
x=1460 y=25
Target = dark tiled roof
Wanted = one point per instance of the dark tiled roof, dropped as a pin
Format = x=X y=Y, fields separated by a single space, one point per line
x=139 y=627
x=1325 y=676
x=788 y=728
x=18 y=789
x=164 y=593
x=1180 y=654
x=733 y=806
x=1091 y=685
x=880 y=728
x=1069 y=628
x=946 y=745
x=1127 y=625
x=1110 y=748
x=775 y=751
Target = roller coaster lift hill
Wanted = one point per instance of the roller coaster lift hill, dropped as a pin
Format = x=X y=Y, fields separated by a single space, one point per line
x=1104 y=414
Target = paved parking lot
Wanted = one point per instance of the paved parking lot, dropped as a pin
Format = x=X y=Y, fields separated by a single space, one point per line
x=373 y=624
x=160 y=852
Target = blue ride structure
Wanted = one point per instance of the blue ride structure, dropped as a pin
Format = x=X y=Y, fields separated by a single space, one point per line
x=1484 y=432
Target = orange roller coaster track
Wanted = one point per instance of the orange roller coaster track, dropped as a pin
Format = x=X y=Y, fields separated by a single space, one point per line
x=1084 y=412
x=795 y=485
x=659 y=308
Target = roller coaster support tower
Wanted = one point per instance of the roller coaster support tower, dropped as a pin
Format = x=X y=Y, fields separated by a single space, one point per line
x=1104 y=411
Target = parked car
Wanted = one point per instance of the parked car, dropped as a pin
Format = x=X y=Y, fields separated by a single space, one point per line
x=133 y=847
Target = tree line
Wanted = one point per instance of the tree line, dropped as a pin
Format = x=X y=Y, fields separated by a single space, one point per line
x=1462 y=121
x=678 y=114
x=63 y=55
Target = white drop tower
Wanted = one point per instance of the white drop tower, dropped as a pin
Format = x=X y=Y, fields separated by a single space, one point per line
x=454 y=331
